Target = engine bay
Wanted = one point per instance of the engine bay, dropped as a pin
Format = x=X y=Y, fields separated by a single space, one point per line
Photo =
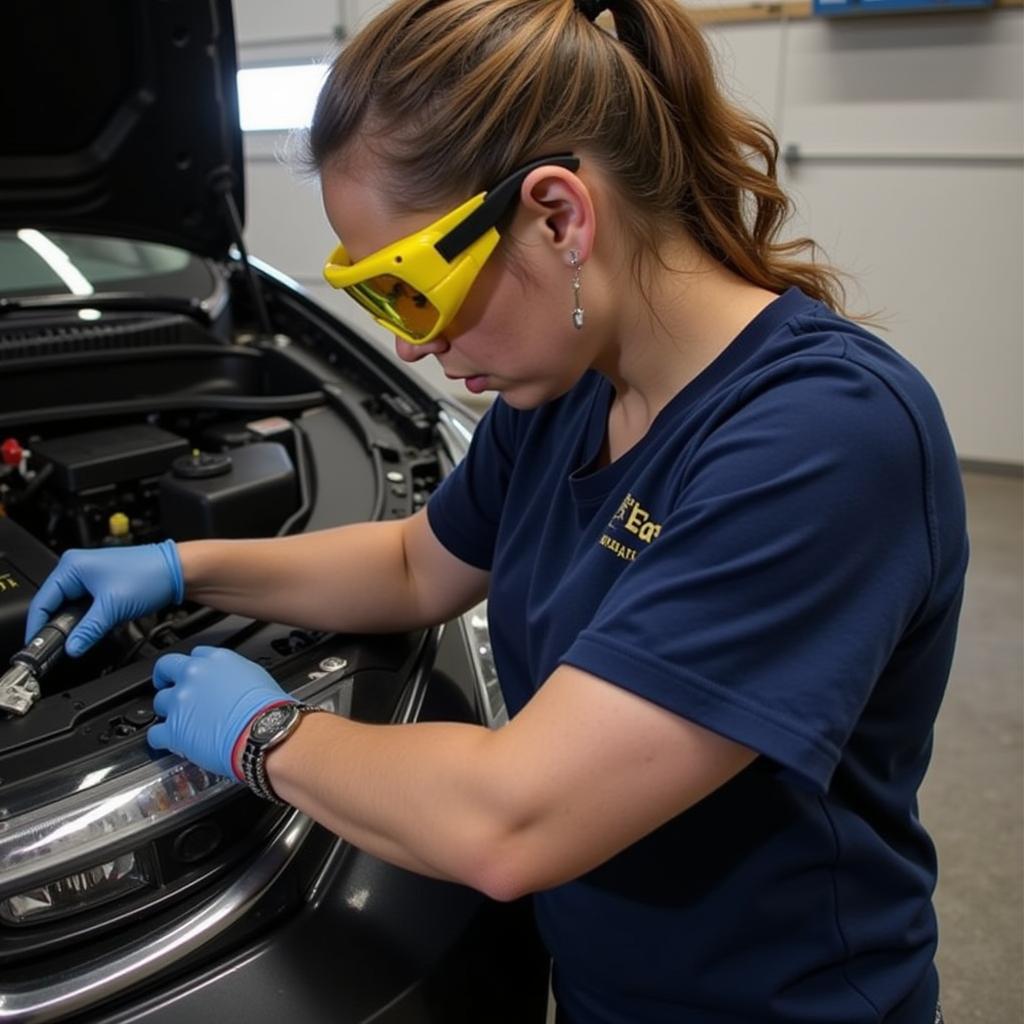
x=135 y=484
x=152 y=426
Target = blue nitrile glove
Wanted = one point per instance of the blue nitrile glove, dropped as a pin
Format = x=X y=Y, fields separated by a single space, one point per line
x=208 y=699
x=123 y=582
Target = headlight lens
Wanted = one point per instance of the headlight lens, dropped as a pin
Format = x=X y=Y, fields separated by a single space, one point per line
x=38 y=843
x=80 y=890
x=36 y=846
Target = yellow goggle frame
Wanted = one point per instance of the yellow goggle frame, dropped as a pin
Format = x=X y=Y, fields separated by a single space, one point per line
x=415 y=286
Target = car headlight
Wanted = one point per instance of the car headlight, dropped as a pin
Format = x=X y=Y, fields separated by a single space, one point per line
x=81 y=826
x=38 y=848
x=80 y=890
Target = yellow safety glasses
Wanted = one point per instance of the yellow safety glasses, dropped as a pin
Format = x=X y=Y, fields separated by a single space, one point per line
x=415 y=286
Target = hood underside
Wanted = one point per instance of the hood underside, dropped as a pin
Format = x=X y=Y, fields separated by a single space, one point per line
x=121 y=118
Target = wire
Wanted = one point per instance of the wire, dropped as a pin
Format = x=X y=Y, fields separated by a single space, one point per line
x=302 y=472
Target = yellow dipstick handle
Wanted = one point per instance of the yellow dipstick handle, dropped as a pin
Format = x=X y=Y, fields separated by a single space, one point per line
x=118 y=524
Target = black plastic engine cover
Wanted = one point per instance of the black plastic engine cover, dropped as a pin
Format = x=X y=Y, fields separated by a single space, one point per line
x=24 y=564
x=101 y=457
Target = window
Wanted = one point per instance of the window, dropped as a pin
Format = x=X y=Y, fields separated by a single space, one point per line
x=278 y=98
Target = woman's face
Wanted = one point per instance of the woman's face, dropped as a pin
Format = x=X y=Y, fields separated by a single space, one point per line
x=513 y=334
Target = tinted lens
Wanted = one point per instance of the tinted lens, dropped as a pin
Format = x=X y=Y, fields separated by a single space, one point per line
x=390 y=299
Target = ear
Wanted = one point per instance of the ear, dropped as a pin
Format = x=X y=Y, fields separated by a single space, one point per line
x=561 y=210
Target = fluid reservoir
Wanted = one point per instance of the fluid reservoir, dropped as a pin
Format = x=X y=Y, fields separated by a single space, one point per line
x=247 y=492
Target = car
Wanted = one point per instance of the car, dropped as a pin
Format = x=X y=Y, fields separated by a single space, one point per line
x=158 y=382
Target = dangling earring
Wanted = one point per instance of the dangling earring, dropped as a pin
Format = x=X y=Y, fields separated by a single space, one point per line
x=577 y=312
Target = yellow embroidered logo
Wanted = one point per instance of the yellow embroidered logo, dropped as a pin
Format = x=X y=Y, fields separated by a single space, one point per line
x=634 y=518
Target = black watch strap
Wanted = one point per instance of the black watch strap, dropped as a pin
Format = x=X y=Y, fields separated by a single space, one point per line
x=254 y=756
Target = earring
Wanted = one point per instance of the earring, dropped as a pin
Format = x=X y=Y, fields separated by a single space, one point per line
x=577 y=313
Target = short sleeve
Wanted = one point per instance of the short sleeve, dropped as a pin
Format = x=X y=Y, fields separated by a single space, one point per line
x=792 y=560
x=465 y=511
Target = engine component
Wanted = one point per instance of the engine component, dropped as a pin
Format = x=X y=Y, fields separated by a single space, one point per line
x=119 y=531
x=201 y=465
x=103 y=457
x=11 y=452
x=251 y=499
x=24 y=564
x=92 y=476
x=226 y=436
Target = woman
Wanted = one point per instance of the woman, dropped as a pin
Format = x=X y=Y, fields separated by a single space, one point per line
x=720 y=528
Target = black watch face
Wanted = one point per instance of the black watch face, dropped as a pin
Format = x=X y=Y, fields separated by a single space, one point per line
x=271 y=722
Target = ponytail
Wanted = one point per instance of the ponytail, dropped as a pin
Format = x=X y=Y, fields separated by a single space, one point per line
x=731 y=202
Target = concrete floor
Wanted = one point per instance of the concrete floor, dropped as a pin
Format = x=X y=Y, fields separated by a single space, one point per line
x=973 y=797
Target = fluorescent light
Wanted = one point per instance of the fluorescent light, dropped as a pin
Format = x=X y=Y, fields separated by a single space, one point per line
x=278 y=98
x=57 y=260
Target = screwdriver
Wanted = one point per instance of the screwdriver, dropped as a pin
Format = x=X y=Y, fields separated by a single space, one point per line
x=19 y=685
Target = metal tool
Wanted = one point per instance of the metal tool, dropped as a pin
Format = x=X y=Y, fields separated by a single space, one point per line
x=19 y=685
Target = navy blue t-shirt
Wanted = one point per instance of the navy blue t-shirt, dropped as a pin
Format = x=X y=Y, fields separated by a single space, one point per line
x=780 y=559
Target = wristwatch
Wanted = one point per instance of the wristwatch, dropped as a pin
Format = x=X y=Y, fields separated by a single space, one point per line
x=267 y=730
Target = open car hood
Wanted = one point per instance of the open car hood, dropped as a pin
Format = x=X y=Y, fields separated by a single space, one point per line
x=121 y=118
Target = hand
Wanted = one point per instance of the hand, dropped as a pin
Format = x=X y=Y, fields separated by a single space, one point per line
x=208 y=699
x=123 y=582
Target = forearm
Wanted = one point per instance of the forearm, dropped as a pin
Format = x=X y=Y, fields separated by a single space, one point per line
x=425 y=796
x=351 y=579
x=583 y=771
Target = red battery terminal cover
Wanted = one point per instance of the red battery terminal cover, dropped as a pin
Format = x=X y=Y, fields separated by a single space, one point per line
x=11 y=452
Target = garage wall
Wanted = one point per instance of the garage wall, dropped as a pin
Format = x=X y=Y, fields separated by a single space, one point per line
x=908 y=138
x=911 y=137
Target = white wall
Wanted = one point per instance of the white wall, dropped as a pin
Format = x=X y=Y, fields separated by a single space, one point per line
x=912 y=130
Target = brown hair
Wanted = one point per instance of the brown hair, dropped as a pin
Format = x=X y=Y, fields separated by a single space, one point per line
x=455 y=94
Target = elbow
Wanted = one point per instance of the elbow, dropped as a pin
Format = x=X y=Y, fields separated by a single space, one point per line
x=517 y=840
x=502 y=878
x=510 y=865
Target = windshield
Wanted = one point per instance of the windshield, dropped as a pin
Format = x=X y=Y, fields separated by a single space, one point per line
x=34 y=262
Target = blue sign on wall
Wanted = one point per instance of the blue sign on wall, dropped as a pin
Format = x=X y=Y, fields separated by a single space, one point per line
x=842 y=8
